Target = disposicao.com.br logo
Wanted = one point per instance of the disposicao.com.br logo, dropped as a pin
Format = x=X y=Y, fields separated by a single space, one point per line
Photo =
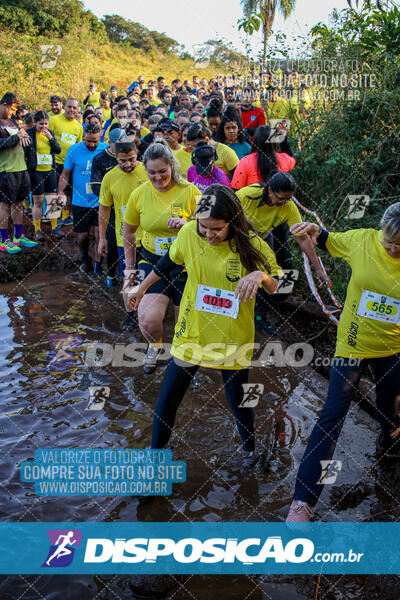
x=62 y=547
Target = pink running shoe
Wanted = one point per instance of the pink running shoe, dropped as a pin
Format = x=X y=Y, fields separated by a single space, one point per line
x=299 y=513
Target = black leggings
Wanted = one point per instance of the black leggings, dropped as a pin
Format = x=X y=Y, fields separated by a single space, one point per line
x=175 y=384
x=112 y=250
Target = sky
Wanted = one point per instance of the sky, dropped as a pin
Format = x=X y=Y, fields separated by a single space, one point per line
x=192 y=22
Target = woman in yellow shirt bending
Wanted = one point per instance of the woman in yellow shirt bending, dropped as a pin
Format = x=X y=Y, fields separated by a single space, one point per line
x=226 y=263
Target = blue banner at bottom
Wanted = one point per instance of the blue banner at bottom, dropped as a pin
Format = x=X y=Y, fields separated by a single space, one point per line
x=199 y=548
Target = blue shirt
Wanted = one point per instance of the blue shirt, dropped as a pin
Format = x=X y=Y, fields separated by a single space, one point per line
x=241 y=149
x=79 y=161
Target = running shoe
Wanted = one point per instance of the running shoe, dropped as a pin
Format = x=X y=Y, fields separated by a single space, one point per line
x=9 y=247
x=150 y=362
x=24 y=242
x=57 y=233
x=68 y=221
x=299 y=512
x=249 y=459
x=109 y=281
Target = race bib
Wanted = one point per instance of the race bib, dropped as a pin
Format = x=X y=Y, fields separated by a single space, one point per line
x=68 y=138
x=162 y=245
x=89 y=188
x=379 y=307
x=44 y=159
x=218 y=302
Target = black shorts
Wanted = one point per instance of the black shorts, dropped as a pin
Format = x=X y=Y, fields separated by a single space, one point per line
x=173 y=290
x=14 y=187
x=68 y=187
x=84 y=218
x=43 y=182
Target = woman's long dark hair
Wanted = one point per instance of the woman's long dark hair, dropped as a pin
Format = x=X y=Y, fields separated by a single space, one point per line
x=220 y=202
x=230 y=114
x=266 y=156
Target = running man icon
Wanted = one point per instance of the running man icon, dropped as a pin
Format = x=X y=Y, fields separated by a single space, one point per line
x=63 y=543
x=62 y=550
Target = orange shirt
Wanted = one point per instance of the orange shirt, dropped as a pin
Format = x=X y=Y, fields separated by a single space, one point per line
x=247 y=173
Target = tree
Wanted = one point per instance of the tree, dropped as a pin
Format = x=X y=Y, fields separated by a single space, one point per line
x=262 y=13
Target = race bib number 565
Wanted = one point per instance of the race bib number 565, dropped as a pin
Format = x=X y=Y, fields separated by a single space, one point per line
x=379 y=307
x=218 y=302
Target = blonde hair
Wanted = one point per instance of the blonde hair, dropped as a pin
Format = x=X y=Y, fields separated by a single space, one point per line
x=160 y=149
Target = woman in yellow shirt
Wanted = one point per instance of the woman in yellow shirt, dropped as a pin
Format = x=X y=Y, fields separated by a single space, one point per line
x=368 y=333
x=226 y=263
x=40 y=161
x=161 y=206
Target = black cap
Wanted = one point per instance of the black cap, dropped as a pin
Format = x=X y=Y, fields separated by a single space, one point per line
x=168 y=125
x=55 y=99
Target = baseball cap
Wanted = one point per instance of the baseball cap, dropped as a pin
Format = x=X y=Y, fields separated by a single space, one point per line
x=167 y=125
x=55 y=99
x=116 y=134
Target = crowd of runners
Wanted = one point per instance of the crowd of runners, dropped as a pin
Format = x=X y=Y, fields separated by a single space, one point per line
x=187 y=191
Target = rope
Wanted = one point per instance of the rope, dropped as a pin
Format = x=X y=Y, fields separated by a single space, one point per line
x=310 y=279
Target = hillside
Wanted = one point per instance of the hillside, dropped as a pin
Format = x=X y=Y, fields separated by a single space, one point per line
x=84 y=57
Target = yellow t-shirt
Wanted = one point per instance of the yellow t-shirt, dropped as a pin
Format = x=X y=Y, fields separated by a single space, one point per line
x=151 y=210
x=107 y=114
x=265 y=218
x=116 y=189
x=94 y=99
x=279 y=109
x=227 y=158
x=44 y=158
x=374 y=271
x=144 y=131
x=67 y=133
x=216 y=267
x=184 y=158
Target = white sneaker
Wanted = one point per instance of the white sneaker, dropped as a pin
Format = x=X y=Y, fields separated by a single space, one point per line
x=299 y=513
x=150 y=362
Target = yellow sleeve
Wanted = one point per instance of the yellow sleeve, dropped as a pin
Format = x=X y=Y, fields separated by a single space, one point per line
x=105 y=197
x=292 y=215
x=344 y=245
x=51 y=124
x=80 y=134
x=132 y=214
x=231 y=158
x=176 y=248
x=272 y=268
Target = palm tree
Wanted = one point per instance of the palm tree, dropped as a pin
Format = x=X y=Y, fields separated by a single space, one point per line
x=266 y=9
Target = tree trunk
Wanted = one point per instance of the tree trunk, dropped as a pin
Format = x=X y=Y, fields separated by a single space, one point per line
x=269 y=15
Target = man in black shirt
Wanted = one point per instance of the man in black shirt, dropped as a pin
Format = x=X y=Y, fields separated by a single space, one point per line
x=102 y=163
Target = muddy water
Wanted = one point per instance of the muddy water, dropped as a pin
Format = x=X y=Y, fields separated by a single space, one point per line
x=44 y=406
